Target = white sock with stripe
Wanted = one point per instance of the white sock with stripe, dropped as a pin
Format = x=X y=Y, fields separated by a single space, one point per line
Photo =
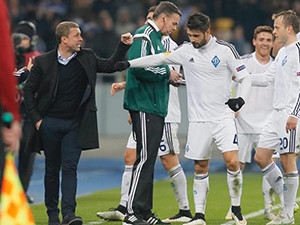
x=235 y=183
x=275 y=179
x=179 y=186
x=200 y=190
x=126 y=179
x=291 y=183
x=266 y=188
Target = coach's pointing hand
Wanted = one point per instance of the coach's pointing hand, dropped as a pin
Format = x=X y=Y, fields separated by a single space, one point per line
x=127 y=38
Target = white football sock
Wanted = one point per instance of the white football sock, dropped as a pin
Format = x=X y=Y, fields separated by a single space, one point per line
x=266 y=188
x=200 y=190
x=179 y=186
x=126 y=179
x=291 y=183
x=235 y=183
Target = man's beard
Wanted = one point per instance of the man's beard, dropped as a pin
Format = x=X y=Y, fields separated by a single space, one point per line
x=199 y=44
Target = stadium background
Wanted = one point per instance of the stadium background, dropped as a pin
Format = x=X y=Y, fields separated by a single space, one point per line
x=102 y=22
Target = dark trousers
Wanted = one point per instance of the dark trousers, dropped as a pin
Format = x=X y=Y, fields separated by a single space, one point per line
x=59 y=137
x=26 y=159
x=148 y=130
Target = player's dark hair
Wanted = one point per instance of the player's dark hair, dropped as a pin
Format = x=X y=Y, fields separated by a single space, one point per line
x=290 y=18
x=260 y=29
x=167 y=8
x=198 y=21
x=152 y=8
x=63 y=29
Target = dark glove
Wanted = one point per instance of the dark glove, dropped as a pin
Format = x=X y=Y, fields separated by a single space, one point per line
x=121 y=65
x=235 y=103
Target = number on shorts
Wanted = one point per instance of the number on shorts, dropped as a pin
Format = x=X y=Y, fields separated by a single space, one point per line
x=283 y=143
x=235 y=139
x=162 y=146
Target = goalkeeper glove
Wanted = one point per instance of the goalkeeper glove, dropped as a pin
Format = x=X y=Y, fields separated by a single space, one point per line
x=235 y=103
x=121 y=65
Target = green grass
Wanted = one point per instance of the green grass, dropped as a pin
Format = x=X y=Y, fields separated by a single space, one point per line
x=165 y=204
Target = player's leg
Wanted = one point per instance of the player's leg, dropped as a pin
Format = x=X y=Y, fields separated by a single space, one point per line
x=168 y=152
x=198 y=148
x=129 y=158
x=224 y=133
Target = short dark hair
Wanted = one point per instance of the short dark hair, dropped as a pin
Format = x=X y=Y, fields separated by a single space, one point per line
x=260 y=29
x=63 y=29
x=289 y=18
x=152 y=8
x=198 y=21
x=167 y=8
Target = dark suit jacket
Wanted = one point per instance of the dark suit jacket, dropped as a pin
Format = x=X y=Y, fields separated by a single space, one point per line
x=41 y=88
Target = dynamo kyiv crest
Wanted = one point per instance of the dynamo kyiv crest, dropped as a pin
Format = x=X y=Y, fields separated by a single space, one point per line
x=215 y=61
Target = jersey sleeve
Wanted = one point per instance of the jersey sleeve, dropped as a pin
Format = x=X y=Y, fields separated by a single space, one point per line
x=142 y=46
x=236 y=64
x=296 y=110
x=264 y=79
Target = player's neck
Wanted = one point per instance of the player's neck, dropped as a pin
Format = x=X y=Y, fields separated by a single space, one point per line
x=291 y=39
x=262 y=59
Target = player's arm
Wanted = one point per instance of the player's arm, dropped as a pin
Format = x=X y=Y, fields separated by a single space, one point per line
x=264 y=79
x=142 y=47
x=292 y=121
x=238 y=68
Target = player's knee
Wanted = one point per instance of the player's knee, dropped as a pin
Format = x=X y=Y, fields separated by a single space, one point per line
x=258 y=159
x=201 y=167
x=233 y=165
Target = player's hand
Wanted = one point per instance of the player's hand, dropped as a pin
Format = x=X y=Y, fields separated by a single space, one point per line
x=291 y=123
x=235 y=103
x=174 y=78
x=121 y=65
x=116 y=87
x=38 y=124
x=11 y=136
x=236 y=114
x=129 y=119
x=127 y=38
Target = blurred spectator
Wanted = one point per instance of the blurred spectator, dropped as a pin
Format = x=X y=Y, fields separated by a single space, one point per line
x=238 y=40
x=124 y=23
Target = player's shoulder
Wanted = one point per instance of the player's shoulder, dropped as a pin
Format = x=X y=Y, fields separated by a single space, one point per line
x=184 y=45
x=227 y=47
x=247 y=56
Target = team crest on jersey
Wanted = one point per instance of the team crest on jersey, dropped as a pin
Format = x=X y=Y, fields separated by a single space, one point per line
x=240 y=68
x=215 y=61
x=284 y=60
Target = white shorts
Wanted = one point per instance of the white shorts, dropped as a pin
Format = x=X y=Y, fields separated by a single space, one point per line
x=274 y=135
x=246 y=143
x=202 y=134
x=169 y=143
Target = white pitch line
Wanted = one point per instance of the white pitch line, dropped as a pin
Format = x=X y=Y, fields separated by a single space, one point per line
x=257 y=213
x=94 y=222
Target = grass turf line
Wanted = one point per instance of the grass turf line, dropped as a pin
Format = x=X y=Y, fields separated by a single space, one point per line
x=165 y=204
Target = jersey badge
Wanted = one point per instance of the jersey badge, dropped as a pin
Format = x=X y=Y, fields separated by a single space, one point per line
x=284 y=60
x=215 y=61
x=240 y=68
x=167 y=53
x=298 y=74
x=192 y=60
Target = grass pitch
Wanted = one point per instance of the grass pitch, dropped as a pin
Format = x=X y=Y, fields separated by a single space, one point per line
x=165 y=204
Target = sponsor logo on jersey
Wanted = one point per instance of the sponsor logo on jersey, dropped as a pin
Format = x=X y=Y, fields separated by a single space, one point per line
x=192 y=60
x=284 y=60
x=215 y=61
x=167 y=53
x=240 y=68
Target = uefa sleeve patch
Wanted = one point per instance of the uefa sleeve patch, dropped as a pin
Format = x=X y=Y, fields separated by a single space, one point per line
x=167 y=53
x=298 y=73
x=240 y=68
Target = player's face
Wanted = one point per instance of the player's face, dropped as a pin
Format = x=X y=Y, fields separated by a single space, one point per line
x=280 y=30
x=149 y=16
x=197 y=37
x=263 y=43
x=170 y=23
x=74 y=40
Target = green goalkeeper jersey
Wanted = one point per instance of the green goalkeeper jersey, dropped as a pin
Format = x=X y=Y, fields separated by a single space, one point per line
x=147 y=89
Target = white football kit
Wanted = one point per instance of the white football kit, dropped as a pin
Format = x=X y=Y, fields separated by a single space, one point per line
x=169 y=142
x=285 y=73
x=208 y=71
x=252 y=117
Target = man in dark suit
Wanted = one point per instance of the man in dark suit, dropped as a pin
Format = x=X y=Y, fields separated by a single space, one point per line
x=60 y=98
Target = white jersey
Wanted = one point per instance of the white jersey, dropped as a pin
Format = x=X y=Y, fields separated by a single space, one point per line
x=285 y=73
x=252 y=117
x=174 y=113
x=208 y=73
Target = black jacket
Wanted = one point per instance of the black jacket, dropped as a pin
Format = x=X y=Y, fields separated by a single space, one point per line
x=41 y=88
